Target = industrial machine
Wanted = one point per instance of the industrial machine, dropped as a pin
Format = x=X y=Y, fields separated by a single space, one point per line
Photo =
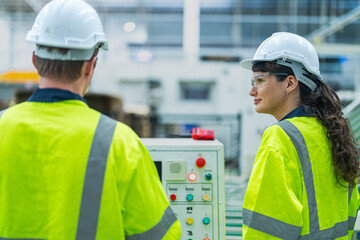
x=356 y=234
x=192 y=173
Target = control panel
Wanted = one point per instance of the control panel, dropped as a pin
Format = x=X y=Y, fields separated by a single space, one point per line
x=192 y=173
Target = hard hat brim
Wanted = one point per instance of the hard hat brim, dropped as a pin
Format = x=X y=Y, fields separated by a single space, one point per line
x=247 y=64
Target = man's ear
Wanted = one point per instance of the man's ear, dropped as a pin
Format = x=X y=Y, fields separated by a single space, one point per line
x=34 y=59
x=292 y=83
x=89 y=66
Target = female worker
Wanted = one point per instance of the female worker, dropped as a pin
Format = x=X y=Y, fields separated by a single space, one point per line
x=303 y=183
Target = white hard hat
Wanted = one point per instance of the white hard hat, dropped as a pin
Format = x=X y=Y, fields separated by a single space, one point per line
x=69 y=24
x=290 y=50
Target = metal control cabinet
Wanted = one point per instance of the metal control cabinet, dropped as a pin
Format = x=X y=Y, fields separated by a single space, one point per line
x=356 y=234
x=192 y=173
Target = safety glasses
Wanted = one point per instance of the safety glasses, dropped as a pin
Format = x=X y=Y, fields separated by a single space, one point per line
x=95 y=62
x=260 y=80
x=95 y=55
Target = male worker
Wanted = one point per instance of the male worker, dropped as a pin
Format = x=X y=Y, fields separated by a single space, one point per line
x=67 y=171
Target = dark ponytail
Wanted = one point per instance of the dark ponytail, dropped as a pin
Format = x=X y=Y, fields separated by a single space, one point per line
x=324 y=104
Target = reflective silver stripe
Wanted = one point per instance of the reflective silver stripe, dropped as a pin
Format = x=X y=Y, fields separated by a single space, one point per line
x=159 y=230
x=339 y=230
x=350 y=192
x=94 y=179
x=270 y=225
x=300 y=146
x=351 y=222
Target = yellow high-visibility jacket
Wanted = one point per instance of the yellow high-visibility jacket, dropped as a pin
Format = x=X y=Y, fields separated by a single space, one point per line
x=68 y=172
x=292 y=192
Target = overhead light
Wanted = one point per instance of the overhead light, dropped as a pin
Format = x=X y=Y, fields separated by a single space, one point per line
x=143 y=56
x=129 y=26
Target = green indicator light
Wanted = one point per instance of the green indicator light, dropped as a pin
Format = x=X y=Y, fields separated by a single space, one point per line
x=189 y=197
x=206 y=220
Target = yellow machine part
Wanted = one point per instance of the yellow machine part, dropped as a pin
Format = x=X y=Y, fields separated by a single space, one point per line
x=20 y=77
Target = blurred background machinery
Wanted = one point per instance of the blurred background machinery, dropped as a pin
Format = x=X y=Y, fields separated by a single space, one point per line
x=174 y=65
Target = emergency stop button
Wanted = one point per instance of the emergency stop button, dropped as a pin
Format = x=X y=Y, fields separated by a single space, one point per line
x=200 y=162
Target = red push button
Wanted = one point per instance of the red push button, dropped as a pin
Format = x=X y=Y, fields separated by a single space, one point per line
x=172 y=197
x=200 y=162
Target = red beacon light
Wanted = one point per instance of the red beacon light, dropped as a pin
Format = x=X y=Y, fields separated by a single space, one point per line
x=202 y=134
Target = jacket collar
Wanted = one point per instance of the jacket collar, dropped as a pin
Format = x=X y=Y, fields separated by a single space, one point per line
x=297 y=112
x=50 y=95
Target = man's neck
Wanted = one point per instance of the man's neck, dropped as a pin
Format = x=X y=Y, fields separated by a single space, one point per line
x=74 y=87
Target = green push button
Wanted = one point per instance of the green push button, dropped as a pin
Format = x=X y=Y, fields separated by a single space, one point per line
x=189 y=197
x=206 y=220
x=208 y=176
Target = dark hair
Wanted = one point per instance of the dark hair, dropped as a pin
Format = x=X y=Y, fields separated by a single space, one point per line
x=65 y=71
x=324 y=104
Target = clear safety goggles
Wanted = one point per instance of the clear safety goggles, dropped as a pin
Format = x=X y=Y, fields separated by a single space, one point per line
x=95 y=55
x=260 y=80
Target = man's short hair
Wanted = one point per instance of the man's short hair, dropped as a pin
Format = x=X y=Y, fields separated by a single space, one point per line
x=64 y=71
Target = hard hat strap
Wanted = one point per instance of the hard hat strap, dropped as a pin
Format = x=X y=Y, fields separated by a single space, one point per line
x=299 y=72
x=71 y=55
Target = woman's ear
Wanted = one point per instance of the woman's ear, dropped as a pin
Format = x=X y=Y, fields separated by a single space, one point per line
x=292 y=83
